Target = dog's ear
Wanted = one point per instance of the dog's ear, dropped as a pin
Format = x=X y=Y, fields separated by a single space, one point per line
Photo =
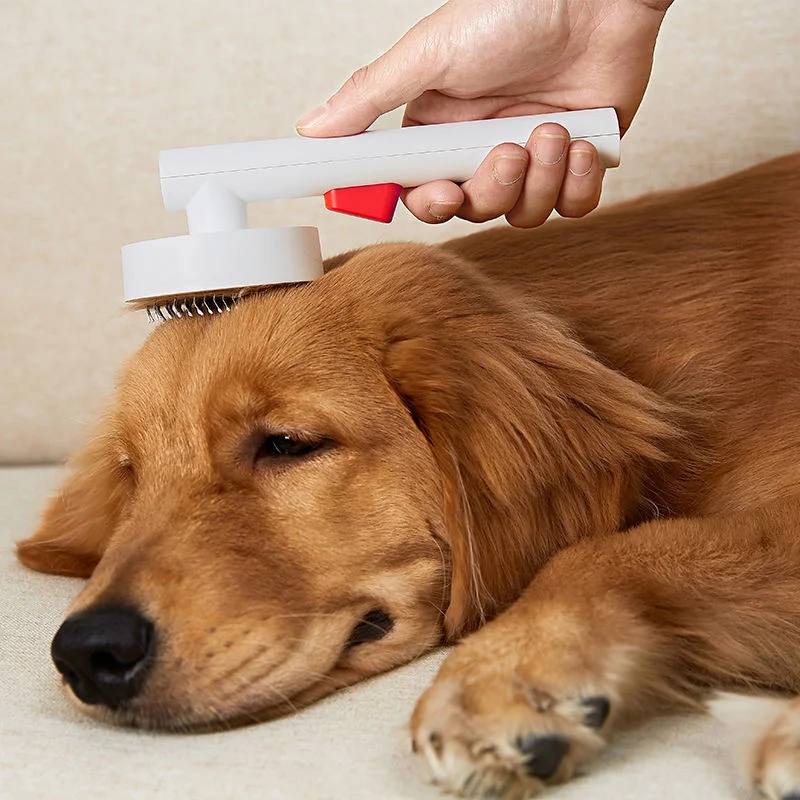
x=538 y=444
x=80 y=519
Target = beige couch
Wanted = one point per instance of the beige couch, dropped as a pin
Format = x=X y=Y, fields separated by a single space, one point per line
x=91 y=92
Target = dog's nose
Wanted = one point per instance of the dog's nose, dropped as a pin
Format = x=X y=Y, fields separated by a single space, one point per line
x=104 y=654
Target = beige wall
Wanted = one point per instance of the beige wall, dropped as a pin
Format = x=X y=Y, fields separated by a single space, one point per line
x=93 y=89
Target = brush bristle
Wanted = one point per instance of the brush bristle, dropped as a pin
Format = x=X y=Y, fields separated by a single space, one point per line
x=199 y=306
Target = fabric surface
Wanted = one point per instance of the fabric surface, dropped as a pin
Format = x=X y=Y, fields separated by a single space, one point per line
x=351 y=746
x=93 y=90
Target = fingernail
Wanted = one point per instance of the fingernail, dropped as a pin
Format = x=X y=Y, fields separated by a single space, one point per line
x=579 y=161
x=507 y=170
x=548 y=148
x=313 y=117
x=442 y=209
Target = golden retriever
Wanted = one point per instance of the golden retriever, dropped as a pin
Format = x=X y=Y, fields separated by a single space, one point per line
x=586 y=436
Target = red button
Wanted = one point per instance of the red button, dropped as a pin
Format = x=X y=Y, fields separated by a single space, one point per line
x=376 y=202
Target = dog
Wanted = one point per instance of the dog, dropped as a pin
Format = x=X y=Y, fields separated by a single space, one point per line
x=574 y=450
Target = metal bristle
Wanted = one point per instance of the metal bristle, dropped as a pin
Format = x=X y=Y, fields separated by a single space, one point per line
x=200 y=306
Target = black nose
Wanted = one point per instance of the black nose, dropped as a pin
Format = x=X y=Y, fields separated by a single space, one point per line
x=104 y=654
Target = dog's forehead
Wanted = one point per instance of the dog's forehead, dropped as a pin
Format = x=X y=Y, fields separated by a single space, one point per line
x=284 y=330
x=273 y=350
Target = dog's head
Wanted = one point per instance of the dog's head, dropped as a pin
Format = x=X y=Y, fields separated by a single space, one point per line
x=320 y=485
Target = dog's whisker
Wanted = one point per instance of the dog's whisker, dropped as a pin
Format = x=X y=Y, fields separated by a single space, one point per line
x=265 y=689
x=322 y=676
x=439 y=609
x=319 y=615
x=233 y=672
x=251 y=661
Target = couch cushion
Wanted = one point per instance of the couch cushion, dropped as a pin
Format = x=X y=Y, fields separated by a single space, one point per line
x=353 y=745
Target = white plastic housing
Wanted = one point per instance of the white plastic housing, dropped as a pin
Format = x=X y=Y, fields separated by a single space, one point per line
x=303 y=167
x=214 y=184
x=219 y=262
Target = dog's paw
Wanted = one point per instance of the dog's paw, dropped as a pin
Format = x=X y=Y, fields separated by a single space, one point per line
x=766 y=735
x=494 y=733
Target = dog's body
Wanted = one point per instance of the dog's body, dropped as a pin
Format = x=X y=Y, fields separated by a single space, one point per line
x=607 y=412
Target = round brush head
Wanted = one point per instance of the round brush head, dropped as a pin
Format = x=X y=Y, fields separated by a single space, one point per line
x=205 y=273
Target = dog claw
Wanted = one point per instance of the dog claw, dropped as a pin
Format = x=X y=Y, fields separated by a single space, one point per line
x=543 y=754
x=597 y=709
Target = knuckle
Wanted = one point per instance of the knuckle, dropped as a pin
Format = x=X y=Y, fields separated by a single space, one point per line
x=579 y=206
x=360 y=82
x=473 y=214
x=487 y=207
x=527 y=219
x=360 y=78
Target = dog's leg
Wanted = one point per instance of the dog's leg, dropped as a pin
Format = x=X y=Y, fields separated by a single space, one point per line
x=612 y=629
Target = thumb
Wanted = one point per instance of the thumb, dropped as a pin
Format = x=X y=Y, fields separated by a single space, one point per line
x=397 y=77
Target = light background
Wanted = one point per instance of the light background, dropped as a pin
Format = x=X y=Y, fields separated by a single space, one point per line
x=93 y=89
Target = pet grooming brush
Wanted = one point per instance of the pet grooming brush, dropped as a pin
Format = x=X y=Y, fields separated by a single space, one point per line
x=221 y=259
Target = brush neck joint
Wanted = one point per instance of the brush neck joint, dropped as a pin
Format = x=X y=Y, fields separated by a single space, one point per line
x=214 y=208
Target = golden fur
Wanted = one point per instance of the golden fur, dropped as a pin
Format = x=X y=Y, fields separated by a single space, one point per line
x=593 y=428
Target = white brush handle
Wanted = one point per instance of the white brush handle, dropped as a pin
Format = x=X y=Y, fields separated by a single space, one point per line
x=303 y=167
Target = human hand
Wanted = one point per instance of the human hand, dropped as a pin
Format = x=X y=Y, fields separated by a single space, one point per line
x=475 y=59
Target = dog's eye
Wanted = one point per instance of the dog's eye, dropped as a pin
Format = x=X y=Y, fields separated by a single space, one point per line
x=375 y=625
x=284 y=445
